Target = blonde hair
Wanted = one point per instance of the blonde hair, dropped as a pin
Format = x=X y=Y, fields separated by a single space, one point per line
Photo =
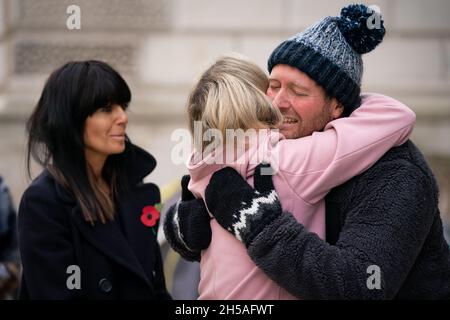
x=231 y=95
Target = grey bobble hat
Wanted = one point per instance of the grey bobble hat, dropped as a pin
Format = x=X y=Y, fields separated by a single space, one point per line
x=329 y=52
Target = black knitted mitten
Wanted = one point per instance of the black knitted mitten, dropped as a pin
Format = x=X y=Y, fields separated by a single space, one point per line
x=186 y=225
x=242 y=210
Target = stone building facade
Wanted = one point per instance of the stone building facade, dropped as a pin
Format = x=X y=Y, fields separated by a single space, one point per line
x=160 y=46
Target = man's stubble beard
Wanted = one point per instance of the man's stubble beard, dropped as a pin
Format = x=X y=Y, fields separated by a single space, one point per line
x=318 y=124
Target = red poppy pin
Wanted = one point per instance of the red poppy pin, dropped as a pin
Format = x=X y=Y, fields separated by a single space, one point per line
x=150 y=215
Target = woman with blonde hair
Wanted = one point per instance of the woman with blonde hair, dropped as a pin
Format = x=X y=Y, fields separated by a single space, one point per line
x=230 y=95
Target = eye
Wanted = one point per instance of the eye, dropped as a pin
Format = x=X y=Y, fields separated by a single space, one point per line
x=124 y=106
x=299 y=93
x=107 y=108
x=274 y=87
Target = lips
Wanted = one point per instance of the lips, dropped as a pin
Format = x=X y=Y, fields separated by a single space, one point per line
x=118 y=137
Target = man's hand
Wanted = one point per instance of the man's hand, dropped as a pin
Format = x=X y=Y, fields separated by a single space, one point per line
x=238 y=207
x=186 y=225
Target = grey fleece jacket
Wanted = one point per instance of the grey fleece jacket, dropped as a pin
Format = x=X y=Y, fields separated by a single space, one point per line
x=387 y=217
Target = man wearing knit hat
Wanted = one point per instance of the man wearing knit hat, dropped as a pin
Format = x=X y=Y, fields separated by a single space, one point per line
x=384 y=232
x=326 y=55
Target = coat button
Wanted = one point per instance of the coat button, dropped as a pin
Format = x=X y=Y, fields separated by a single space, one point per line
x=105 y=285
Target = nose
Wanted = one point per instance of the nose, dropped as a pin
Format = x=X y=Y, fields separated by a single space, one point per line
x=121 y=116
x=280 y=100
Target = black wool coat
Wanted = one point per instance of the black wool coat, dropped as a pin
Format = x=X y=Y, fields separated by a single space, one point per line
x=113 y=261
x=383 y=224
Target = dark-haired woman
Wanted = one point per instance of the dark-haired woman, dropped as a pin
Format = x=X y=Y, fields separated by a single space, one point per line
x=87 y=223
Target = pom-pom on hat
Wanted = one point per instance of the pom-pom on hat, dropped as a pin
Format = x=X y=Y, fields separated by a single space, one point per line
x=329 y=52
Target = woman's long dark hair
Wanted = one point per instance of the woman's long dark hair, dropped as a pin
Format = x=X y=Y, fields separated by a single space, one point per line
x=71 y=94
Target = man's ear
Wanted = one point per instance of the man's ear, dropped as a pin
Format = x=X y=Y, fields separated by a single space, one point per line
x=336 y=108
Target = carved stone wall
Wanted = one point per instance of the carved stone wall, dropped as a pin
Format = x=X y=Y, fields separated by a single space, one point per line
x=161 y=46
x=96 y=14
